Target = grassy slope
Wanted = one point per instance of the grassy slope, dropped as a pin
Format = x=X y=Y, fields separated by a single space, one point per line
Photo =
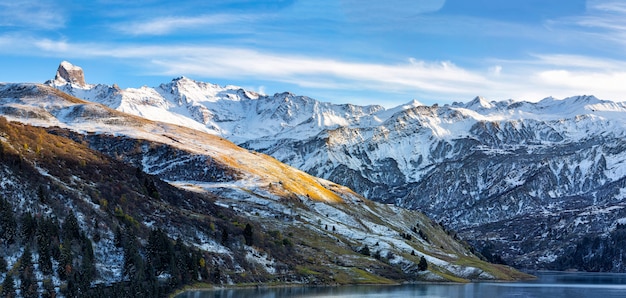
x=315 y=255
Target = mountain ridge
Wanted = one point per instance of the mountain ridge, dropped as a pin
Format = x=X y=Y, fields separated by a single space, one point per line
x=454 y=162
x=250 y=217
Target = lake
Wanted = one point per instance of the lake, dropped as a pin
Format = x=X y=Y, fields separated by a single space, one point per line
x=548 y=284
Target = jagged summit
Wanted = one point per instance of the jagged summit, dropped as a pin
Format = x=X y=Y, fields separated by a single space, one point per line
x=489 y=169
x=479 y=102
x=69 y=73
x=413 y=103
x=220 y=184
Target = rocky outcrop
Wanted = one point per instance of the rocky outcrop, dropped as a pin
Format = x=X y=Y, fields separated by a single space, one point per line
x=67 y=73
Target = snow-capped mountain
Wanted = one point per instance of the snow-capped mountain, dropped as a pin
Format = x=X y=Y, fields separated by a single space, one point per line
x=520 y=178
x=230 y=111
x=251 y=218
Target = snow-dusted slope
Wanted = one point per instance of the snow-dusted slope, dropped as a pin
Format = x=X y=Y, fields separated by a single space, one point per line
x=326 y=218
x=480 y=167
x=475 y=166
x=230 y=111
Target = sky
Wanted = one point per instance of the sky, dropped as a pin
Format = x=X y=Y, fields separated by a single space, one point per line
x=342 y=51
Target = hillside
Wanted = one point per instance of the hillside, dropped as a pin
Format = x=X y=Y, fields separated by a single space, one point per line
x=520 y=180
x=149 y=206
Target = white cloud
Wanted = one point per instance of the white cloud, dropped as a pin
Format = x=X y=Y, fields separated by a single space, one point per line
x=495 y=70
x=261 y=90
x=52 y=45
x=388 y=11
x=31 y=14
x=608 y=82
x=578 y=61
x=604 y=21
x=531 y=79
x=562 y=75
x=168 y=25
x=607 y=6
x=320 y=72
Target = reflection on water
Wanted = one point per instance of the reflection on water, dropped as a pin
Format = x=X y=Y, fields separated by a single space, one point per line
x=548 y=284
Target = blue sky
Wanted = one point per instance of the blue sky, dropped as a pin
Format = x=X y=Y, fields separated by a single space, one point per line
x=343 y=51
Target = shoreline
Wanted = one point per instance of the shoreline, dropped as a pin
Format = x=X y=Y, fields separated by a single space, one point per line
x=559 y=283
x=202 y=287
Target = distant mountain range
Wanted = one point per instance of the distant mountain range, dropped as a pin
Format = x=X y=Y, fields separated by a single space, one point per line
x=142 y=205
x=520 y=180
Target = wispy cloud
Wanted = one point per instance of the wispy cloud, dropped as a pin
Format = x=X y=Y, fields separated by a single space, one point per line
x=31 y=14
x=600 y=83
x=305 y=71
x=207 y=61
x=610 y=6
x=168 y=25
x=578 y=62
x=582 y=74
x=604 y=21
x=322 y=72
x=387 y=11
x=562 y=75
x=536 y=77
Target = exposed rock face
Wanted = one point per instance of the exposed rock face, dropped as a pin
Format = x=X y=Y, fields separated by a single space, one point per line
x=219 y=184
x=523 y=180
x=69 y=73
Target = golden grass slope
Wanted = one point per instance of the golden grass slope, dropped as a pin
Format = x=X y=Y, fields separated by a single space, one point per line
x=79 y=115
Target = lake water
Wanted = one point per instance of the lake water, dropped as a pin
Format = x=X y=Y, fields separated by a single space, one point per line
x=548 y=284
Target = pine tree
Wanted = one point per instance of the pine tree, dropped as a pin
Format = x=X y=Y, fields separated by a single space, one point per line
x=119 y=237
x=181 y=261
x=133 y=262
x=48 y=289
x=87 y=266
x=43 y=236
x=422 y=265
x=151 y=188
x=45 y=264
x=159 y=251
x=224 y=236
x=424 y=236
x=71 y=230
x=247 y=235
x=28 y=284
x=8 y=224
x=8 y=287
x=365 y=250
x=41 y=194
x=65 y=261
x=29 y=227
x=377 y=255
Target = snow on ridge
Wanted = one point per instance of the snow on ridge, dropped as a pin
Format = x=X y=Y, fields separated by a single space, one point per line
x=245 y=116
x=479 y=102
x=69 y=66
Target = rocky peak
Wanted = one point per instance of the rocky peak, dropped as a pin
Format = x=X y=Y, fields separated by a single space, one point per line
x=69 y=73
x=479 y=102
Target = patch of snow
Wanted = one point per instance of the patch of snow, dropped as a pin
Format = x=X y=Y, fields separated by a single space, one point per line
x=548 y=258
x=262 y=259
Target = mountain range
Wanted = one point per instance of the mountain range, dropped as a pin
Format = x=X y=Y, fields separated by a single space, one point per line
x=523 y=181
x=107 y=192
